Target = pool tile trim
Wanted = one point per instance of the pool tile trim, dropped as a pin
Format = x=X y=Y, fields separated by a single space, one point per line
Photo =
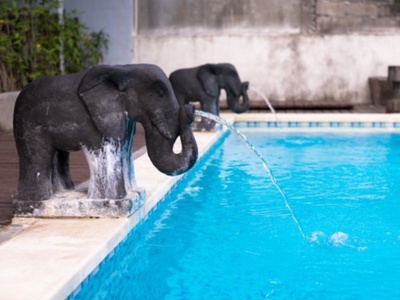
x=277 y=125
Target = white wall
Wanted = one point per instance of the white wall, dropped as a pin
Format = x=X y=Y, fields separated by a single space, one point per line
x=289 y=67
x=116 y=18
x=7 y=103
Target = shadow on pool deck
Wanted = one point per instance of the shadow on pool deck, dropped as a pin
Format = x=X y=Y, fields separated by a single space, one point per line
x=79 y=168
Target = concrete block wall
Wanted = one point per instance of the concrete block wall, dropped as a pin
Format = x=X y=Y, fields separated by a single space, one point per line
x=357 y=16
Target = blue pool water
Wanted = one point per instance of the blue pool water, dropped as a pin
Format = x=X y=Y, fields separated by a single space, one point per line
x=224 y=232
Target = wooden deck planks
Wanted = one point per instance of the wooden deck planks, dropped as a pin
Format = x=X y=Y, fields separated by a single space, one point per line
x=8 y=175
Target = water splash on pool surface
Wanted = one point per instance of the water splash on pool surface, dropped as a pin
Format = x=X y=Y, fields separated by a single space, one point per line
x=338 y=239
x=260 y=157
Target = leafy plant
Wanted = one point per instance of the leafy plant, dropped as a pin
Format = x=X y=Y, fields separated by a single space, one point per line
x=34 y=41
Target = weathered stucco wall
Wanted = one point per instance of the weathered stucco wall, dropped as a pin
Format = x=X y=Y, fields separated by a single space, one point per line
x=284 y=67
x=360 y=16
x=295 y=49
x=218 y=16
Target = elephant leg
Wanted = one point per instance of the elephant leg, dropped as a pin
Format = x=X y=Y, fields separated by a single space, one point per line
x=61 y=178
x=35 y=162
x=106 y=174
x=127 y=157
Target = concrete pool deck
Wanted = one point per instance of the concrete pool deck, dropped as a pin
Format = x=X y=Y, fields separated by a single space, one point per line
x=49 y=258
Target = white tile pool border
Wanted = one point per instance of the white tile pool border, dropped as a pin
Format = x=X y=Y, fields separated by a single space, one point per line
x=319 y=122
x=51 y=257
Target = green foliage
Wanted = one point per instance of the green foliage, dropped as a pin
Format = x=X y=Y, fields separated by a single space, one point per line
x=33 y=38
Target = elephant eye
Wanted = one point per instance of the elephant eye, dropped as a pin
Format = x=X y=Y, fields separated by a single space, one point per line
x=160 y=92
x=158 y=88
x=232 y=73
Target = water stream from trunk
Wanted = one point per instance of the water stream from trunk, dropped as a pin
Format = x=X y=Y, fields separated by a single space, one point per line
x=260 y=157
x=254 y=89
x=271 y=108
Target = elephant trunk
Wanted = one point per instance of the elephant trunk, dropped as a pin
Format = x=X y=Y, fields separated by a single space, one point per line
x=160 y=148
x=234 y=101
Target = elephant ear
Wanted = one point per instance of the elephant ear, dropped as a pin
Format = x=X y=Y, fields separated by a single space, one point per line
x=100 y=91
x=208 y=78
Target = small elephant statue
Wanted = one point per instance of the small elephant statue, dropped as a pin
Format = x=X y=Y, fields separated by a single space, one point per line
x=96 y=110
x=204 y=84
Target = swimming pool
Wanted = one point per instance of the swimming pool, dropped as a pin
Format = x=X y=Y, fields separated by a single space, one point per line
x=224 y=231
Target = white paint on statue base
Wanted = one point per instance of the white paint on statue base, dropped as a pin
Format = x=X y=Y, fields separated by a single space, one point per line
x=75 y=203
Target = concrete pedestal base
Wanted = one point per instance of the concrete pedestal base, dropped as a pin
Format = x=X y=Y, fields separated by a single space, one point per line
x=76 y=204
x=393 y=106
x=380 y=88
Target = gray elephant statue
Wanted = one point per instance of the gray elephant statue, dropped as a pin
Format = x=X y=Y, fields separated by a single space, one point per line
x=96 y=110
x=204 y=83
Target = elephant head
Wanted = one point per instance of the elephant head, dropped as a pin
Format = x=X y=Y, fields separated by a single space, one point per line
x=214 y=77
x=142 y=93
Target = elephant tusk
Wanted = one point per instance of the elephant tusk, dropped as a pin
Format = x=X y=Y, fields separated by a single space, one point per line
x=162 y=126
